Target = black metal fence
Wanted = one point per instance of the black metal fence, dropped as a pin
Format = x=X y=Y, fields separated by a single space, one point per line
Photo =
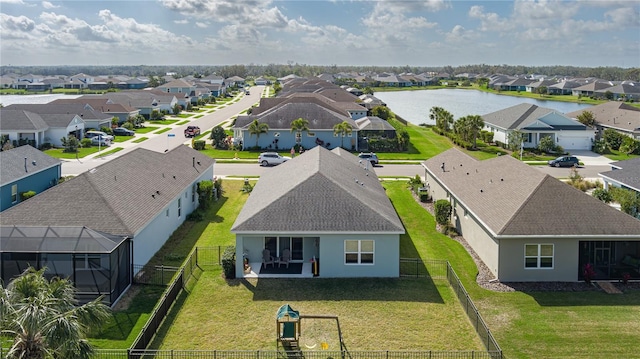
x=210 y=256
x=156 y=275
x=472 y=312
x=416 y=267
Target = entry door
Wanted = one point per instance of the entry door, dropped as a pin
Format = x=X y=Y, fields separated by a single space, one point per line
x=278 y=244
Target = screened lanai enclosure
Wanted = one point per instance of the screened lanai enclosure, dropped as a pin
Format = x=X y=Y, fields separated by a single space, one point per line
x=97 y=263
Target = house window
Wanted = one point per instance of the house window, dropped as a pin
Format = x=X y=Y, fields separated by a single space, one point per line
x=14 y=193
x=538 y=256
x=358 y=251
x=193 y=193
x=167 y=212
x=179 y=207
x=529 y=137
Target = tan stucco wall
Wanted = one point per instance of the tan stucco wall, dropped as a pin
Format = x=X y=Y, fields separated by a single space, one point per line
x=565 y=261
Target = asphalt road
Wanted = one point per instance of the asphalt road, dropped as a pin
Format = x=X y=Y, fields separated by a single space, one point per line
x=390 y=170
x=162 y=142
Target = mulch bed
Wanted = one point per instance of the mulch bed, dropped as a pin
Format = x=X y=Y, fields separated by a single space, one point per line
x=486 y=279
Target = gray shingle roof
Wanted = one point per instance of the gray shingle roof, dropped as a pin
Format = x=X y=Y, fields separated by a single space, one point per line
x=319 y=191
x=13 y=167
x=628 y=173
x=525 y=114
x=21 y=120
x=115 y=197
x=280 y=117
x=86 y=112
x=511 y=198
x=614 y=114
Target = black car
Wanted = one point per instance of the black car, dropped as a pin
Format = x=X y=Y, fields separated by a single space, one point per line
x=564 y=161
x=121 y=131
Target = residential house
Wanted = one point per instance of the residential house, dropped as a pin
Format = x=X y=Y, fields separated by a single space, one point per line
x=143 y=196
x=616 y=115
x=534 y=86
x=528 y=226
x=24 y=169
x=27 y=127
x=370 y=101
x=623 y=174
x=562 y=88
x=537 y=122
x=90 y=117
x=261 y=81
x=181 y=89
x=589 y=89
x=144 y=101
x=213 y=79
x=623 y=91
x=324 y=206
x=104 y=105
x=234 y=81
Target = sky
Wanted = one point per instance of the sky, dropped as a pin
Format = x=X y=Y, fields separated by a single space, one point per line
x=582 y=33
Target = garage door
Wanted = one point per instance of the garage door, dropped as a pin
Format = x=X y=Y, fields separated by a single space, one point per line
x=575 y=142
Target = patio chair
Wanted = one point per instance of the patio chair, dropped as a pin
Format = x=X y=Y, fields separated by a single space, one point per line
x=267 y=258
x=286 y=257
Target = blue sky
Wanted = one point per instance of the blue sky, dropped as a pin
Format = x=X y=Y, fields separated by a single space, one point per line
x=320 y=32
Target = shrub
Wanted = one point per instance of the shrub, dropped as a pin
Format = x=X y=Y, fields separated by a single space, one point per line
x=198 y=145
x=613 y=138
x=603 y=195
x=217 y=184
x=588 y=273
x=443 y=211
x=85 y=142
x=229 y=262
x=205 y=193
x=26 y=195
x=195 y=216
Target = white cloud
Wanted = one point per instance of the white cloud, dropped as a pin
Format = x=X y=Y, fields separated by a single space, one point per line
x=202 y=25
x=250 y=12
x=181 y=22
x=49 y=5
x=460 y=34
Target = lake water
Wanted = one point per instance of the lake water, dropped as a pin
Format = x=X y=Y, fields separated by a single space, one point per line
x=414 y=106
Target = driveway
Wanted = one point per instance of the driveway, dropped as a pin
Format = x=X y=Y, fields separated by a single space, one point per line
x=591 y=158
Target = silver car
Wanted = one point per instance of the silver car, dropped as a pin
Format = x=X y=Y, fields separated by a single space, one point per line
x=271 y=159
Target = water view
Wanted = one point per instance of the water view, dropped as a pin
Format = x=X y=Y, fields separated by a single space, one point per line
x=414 y=106
x=7 y=100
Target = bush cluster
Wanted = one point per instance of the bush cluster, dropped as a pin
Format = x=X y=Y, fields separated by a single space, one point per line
x=229 y=262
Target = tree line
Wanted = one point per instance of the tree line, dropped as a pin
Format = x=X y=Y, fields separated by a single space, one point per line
x=612 y=73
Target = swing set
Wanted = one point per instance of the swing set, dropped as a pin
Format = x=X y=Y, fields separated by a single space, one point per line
x=289 y=330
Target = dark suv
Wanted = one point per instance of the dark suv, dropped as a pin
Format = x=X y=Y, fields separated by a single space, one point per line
x=564 y=161
x=369 y=156
x=192 y=131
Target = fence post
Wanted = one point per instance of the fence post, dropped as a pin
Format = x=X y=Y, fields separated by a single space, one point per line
x=197 y=256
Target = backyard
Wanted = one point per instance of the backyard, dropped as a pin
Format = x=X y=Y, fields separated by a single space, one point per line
x=411 y=314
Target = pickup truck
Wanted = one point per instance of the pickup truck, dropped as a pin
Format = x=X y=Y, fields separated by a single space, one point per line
x=192 y=131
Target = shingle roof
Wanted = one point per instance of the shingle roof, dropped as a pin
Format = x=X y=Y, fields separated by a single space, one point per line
x=13 y=166
x=87 y=113
x=319 y=191
x=115 y=197
x=627 y=173
x=614 y=114
x=21 y=120
x=280 y=117
x=512 y=199
x=524 y=115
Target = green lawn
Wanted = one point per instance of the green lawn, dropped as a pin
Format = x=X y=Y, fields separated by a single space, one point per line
x=82 y=152
x=619 y=156
x=163 y=130
x=146 y=129
x=163 y=122
x=119 y=139
x=182 y=123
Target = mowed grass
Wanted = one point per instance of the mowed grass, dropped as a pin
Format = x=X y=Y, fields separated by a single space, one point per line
x=398 y=314
x=380 y=314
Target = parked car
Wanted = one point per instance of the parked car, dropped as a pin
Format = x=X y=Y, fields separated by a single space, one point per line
x=100 y=141
x=369 y=156
x=94 y=133
x=121 y=131
x=564 y=161
x=192 y=131
x=271 y=159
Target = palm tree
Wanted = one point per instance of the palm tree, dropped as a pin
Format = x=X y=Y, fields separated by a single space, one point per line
x=342 y=129
x=44 y=319
x=441 y=117
x=475 y=124
x=257 y=128
x=299 y=125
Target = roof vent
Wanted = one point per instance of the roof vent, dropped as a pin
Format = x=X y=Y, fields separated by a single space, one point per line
x=481 y=191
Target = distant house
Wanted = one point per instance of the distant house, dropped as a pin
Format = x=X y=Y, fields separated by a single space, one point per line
x=90 y=117
x=24 y=169
x=623 y=174
x=145 y=101
x=616 y=115
x=261 y=81
x=234 y=81
x=322 y=117
x=104 y=105
x=181 y=89
x=143 y=196
x=537 y=122
x=626 y=91
x=528 y=226
x=324 y=205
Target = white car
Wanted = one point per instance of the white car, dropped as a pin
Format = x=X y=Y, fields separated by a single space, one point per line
x=93 y=133
x=271 y=159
